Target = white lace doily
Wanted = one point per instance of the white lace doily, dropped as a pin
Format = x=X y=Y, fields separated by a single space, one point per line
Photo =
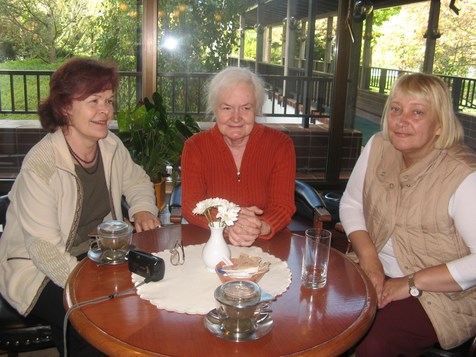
x=189 y=288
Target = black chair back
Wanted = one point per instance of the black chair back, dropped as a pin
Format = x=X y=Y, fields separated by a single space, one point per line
x=310 y=206
x=4 y=202
x=19 y=333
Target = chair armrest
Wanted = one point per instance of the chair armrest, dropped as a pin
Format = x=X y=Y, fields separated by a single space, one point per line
x=310 y=204
x=175 y=204
x=175 y=214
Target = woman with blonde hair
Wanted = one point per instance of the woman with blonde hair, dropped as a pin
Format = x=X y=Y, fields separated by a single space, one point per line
x=408 y=210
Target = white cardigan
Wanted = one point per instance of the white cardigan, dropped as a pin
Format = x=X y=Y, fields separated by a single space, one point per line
x=42 y=219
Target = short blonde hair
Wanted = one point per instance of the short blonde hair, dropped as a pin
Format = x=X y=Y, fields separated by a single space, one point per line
x=435 y=92
x=229 y=77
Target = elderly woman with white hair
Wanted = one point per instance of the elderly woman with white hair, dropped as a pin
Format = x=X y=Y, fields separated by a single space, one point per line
x=408 y=210
x=240 y=160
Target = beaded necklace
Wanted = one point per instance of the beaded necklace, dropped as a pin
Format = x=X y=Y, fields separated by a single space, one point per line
x=80 y=160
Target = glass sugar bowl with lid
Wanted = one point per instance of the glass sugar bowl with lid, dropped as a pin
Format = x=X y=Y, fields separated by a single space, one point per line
x=239 y=316
x=114 y=240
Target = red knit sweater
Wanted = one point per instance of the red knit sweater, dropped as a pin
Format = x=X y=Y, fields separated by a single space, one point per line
x=266 y=180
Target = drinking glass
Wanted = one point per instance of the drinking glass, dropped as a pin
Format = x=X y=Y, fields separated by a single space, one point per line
x=315 y=259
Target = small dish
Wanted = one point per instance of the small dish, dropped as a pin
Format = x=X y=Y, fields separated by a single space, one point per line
x=253 y=277
x=214 y=325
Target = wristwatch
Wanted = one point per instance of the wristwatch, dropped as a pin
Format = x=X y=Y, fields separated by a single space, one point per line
x=412 y=289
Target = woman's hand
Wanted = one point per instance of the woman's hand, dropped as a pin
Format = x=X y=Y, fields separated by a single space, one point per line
x=436 y=279
x=394 y=289
x=144 y=220
x=248 y=227
x=368 y=260
x=373 y=268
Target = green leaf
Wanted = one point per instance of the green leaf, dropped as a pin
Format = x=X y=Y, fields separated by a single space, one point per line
x=183 y=129
x=154 y=139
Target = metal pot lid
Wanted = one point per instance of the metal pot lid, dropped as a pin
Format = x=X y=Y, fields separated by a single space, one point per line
x=114 y=229
x=238 y=293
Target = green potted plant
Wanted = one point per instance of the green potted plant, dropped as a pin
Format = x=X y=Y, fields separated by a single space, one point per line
x=155 y=140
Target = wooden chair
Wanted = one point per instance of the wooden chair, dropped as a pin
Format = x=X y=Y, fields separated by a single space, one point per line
x=19 y=333
x=175 y=204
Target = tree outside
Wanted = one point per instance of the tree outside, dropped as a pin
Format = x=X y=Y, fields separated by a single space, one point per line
x=206 y=32
x=279 y=37
x=399 y=42
x=41 y=34
x=45 y=29
x=197 y=36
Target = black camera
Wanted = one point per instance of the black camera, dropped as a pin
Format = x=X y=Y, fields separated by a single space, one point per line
x=149 y=266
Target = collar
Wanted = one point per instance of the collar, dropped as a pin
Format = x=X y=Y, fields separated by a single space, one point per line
x=255 y=134
x=390 y=168
x=63 y=157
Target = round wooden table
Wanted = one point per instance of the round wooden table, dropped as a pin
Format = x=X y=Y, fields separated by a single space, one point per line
x=323 y=322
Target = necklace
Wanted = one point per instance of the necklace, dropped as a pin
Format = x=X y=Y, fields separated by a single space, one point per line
x=79 y=159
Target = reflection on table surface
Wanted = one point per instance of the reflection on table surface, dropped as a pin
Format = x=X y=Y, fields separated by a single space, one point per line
x=324 y=322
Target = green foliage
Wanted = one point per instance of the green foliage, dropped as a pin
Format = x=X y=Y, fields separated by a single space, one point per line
x=28 y=64
x=117 y=34
x=277 y=47
x=36 y=89
x=276 y=53
x=154 y=139
x=250 y=44
x=45 y=29
x=379 y=18
x=399 y=38
x=206 y=32
x=383 y=15
x=320 y=39
x=6 y=51
x=456 y=48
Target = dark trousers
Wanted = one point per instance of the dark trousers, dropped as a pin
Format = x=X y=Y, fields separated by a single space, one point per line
x=50 y=309
x=402 y=328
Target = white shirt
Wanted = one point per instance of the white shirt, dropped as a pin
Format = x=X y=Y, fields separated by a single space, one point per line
x=461 y=208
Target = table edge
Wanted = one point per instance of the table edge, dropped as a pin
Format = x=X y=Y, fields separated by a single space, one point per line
x=114 y=347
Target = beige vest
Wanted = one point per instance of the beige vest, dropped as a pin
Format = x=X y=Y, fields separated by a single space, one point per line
x=412 y=205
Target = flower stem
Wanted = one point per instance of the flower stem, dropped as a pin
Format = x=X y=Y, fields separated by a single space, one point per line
x=208 y=215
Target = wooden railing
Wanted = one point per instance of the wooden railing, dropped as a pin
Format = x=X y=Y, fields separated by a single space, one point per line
x=21 y=91
x=184 y=94
x=463 y=90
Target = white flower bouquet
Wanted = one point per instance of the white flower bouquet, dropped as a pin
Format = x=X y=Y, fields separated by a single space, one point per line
x=226 y=211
